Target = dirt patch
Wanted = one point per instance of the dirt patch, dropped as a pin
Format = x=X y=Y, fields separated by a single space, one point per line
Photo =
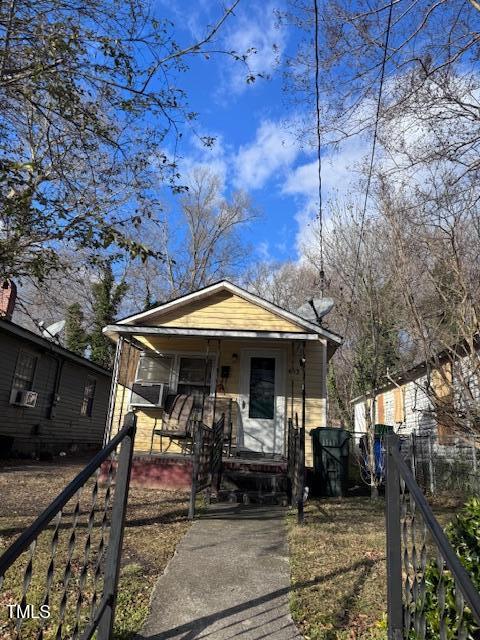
x=156 y=520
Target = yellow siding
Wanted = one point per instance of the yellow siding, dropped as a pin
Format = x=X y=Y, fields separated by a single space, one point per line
x=442 y=381
x=224 y=311
x=315 y=385
x=399 y=405
x=380 y=409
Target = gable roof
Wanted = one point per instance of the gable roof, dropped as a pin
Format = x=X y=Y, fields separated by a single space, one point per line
x=229 y=287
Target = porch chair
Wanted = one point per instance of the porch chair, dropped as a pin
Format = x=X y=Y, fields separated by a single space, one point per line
x=176 y=424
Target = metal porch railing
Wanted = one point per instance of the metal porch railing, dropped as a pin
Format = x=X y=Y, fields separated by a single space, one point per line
x=429 y=592
x=67 y=562
x=208 y=445
x=296 y=466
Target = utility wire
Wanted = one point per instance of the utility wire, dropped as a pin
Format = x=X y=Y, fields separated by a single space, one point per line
x=319 y=147
x=370 y=170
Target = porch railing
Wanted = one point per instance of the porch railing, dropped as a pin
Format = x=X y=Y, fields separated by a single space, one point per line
x=208 y=445
x=429 y=592
x=60 y=576
x=296 y=466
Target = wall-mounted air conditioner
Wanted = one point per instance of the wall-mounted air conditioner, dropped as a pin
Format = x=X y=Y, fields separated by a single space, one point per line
x=24 y=398
x=148 y=394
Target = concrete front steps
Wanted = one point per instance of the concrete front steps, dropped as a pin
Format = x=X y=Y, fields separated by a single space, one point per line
x=244 y=480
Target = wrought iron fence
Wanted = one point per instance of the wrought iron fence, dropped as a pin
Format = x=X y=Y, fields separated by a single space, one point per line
x=296 y=466
x=59 y=578
x=429 y=592
x=201 y=463
x=442 y=464
x=217 y=452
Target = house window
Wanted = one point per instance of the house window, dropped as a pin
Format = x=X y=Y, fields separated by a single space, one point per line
x=194 y=375
x=184 y=374
x=24 y=371
x=154 y=369
x=88 y=397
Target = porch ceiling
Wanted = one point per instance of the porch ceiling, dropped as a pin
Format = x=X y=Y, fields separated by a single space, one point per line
x=114 y=331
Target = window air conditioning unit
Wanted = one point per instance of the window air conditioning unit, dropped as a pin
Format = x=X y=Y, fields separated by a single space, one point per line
x=25 y=399
x=148 y=394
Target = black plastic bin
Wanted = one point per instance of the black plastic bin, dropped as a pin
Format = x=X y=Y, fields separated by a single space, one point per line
x=330 y=461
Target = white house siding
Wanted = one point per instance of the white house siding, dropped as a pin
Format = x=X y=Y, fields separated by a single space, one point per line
x=418 y=418
x=388 y=407
x=454 y=464
x=360 y=423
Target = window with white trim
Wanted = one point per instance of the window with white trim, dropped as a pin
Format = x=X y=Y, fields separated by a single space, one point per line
x=155 y=369
x=182 y=372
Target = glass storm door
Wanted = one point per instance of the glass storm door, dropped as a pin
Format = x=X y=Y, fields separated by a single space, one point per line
x=261 y=398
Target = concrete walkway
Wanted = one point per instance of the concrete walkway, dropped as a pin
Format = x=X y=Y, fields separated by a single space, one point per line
x=230 y=579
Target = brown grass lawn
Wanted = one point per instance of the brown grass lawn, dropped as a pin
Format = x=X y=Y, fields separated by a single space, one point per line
x=156 y=521
x=338 y=568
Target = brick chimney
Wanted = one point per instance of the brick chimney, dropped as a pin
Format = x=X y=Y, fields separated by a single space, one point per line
x=8 y=297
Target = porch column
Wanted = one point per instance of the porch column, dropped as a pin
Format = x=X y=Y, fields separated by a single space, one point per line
x=113 y=391
x=301 y=497
x=205 y=378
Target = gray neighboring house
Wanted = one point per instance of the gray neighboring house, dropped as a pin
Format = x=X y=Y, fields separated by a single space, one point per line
x=51 y=399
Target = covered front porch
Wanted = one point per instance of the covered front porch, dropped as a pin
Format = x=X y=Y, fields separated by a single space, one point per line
x=258 y=380
x=220 y=351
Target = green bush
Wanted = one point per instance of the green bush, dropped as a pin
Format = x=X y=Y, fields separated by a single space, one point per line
x=464 y=536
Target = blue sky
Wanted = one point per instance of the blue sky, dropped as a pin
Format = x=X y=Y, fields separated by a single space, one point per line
x=254 y=150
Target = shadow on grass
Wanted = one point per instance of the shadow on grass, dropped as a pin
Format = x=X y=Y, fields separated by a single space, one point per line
x=242 y=614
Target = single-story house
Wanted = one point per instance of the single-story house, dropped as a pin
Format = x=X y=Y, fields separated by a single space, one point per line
x=51 y=400
x=224 y=343
x=422 y=399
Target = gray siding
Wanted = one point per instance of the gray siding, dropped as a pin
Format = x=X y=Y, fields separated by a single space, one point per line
x=37 y=430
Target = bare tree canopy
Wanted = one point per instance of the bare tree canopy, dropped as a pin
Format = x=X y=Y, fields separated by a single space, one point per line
x=88 y=98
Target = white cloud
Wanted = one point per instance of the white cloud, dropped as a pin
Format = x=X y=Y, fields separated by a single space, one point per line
x=273 y=151
x=339 y=180
x=339 y=172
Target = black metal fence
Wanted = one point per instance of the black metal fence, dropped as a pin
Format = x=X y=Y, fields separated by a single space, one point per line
x=296 y=466
x=217 y=453
x=443 y=465
x=430 y=594
x=59 y=578
x=207 y=459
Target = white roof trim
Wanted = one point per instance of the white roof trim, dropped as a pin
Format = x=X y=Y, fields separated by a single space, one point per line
x=224 y=285
x=114 y=330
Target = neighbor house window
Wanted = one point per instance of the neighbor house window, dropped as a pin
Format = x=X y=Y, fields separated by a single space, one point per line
x=88 y=397
x=154 y=369
x=24 y=371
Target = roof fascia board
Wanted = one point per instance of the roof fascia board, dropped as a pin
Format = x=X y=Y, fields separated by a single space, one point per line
x=114 y=330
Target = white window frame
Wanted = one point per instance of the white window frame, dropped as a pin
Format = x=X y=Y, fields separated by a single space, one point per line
x=175 y=370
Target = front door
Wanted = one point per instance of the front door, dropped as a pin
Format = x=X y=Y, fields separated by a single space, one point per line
x=262 y=401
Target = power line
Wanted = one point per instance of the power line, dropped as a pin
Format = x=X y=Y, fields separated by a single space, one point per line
x=319 y=147
x=370 y=170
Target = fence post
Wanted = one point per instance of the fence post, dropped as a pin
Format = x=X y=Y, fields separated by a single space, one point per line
x=114 y=550
x=394 y=552
x=413 y=455
x=431 y=468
